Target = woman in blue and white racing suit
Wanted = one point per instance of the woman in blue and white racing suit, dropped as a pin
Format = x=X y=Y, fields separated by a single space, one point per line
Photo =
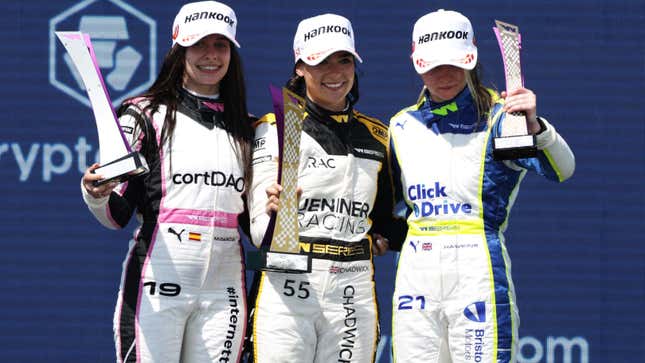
x=454 y=299
x=182 y=296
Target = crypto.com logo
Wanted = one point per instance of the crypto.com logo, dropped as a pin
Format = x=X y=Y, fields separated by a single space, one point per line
x=125 y=43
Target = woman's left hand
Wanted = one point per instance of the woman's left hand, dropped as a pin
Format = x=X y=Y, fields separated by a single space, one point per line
x=523 y=100
x=380 y=244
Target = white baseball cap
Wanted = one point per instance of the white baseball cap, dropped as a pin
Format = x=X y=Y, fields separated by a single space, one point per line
x=443 y=37
x=199 y=19
x=318 y=37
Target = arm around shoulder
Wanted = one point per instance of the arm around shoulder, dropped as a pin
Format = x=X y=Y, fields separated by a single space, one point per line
x=265 y=172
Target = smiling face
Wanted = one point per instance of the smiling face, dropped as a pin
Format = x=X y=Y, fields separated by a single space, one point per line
x=329 y=82
x=444 y=82
x=206 y=64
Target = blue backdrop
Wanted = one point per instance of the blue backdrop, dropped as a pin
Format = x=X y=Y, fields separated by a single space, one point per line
x=577 y=248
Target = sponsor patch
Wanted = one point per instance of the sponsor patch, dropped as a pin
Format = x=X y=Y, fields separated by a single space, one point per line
x=344 y=269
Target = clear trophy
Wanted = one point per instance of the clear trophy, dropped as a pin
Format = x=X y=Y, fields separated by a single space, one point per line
x=283 y=254
x=118 y=161
x=515 y=142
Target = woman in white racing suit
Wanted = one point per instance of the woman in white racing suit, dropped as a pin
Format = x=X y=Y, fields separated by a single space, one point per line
x=329 y=314
x=454 y=299
x=182 y=295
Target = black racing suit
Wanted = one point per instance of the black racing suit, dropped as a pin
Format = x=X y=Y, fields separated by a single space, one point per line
x=330 y=314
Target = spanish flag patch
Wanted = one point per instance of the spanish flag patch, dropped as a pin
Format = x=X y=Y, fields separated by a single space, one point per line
x=194 y=236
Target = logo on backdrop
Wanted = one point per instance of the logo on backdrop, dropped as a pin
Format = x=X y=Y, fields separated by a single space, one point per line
x=124 y=40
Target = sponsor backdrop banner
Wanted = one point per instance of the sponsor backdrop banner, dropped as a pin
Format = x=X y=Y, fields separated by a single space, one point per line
x=577 y=248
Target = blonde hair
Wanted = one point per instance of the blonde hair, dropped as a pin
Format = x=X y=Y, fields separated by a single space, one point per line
x=481 y=95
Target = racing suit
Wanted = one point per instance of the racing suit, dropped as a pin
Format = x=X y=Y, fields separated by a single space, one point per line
x=330 y=314
x=182 y=292
x=454 y=299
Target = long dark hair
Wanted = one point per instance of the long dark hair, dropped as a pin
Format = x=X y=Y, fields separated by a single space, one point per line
x=165 y=91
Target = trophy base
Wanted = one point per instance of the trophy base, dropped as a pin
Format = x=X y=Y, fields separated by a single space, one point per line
x=284 y=262
x=514 y=147
x=122 y=169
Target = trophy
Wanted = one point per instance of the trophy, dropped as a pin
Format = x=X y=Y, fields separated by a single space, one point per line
x=118 y=161
x=282 y=233
x=514 y=142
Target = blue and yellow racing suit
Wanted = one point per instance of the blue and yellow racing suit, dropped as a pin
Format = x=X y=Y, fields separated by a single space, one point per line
x=454 y=294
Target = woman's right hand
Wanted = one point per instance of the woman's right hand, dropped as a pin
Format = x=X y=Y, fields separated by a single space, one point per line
x=273 y=197
x=100 y=191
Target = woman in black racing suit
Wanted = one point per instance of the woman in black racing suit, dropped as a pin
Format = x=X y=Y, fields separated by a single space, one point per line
x=329 y=314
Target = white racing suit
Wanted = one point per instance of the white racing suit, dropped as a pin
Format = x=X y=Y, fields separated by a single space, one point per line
x=330 y=314
x=182 y=294
x=454 y=299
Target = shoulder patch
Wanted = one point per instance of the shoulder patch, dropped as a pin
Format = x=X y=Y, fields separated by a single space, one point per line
x=375 y=127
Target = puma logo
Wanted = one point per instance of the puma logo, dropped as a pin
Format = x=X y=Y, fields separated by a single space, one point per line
x=401 y=124
x=175 y=233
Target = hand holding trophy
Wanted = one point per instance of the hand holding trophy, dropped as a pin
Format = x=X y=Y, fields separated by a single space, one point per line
x=118 y=161
x=283 y=254
x=514 y=142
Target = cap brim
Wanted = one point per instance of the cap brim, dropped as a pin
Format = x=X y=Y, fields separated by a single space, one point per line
x=426 y=61
x=194 y=39
x=316 y=58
